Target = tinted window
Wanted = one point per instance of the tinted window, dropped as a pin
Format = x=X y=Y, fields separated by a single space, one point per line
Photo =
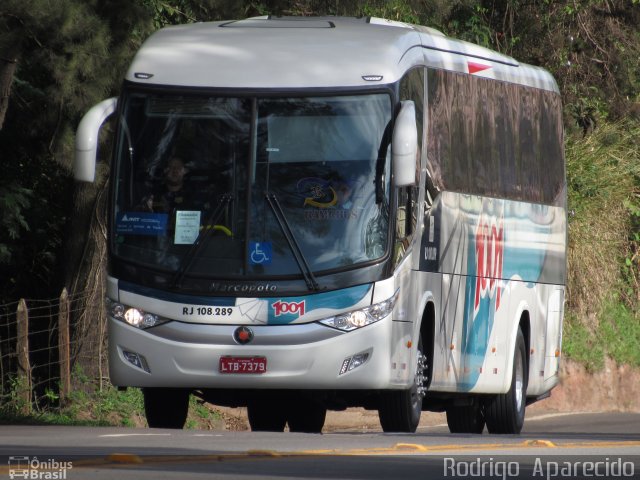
x=494 y=138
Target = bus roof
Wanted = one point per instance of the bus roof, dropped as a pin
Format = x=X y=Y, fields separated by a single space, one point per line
x=313 y=52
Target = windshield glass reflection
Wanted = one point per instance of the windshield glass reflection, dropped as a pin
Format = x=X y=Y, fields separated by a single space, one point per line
x=193 y=175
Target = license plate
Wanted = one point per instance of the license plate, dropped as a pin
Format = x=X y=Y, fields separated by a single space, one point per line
x=243 y=364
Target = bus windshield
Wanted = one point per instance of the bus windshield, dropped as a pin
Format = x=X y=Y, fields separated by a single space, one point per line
x=222 y=187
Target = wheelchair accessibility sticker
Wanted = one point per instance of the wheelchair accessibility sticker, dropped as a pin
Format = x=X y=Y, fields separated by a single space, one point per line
x=260 y=253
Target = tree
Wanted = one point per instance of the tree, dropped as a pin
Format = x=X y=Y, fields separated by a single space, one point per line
x=59 y=58
x=49 y=50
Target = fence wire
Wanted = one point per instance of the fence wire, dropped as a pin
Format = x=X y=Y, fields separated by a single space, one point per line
x=86 y=346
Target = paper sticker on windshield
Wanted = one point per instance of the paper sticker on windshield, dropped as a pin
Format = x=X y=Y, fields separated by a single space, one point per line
x=141 y=223
x=260 y=253
x=187 y=227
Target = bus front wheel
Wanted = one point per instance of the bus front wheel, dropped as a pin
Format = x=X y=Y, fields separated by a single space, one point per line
x=504 y=413
x=400 y=410
x=307 y=417
x=166 y=407
x=267 y=415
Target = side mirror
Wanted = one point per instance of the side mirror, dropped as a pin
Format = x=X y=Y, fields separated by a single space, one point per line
x=404 y=145
x=84 y=163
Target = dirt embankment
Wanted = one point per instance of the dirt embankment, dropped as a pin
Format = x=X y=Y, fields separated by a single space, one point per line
x=615 y=388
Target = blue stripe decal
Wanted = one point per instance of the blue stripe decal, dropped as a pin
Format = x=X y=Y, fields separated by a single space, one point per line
x=281 y=310
x=286 y=310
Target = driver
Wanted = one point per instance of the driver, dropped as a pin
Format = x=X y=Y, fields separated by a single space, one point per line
x=171 y=194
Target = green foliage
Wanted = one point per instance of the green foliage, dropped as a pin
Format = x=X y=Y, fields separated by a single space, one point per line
x=170 y=13
x=471 y=23
x=13 y=404
x=579 y=343
x=14 y=200
x=631 y=267
x=50 y=395
x=70 y=54
x=603 y=176
x=90 y=404
x=398 y=10
x=98 y=407
x=617 y=337
x=620 y=333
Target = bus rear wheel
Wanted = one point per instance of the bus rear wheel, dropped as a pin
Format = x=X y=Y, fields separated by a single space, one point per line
x=504 y=413
x=466 y=419
x=166 y=407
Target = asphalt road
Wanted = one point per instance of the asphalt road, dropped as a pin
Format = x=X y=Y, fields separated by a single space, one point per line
x=551 y=446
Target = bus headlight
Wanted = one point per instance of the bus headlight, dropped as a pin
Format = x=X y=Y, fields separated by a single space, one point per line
x=363 y=317
x=133 y=316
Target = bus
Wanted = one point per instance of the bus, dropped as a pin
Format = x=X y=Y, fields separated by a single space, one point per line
x=318 y=213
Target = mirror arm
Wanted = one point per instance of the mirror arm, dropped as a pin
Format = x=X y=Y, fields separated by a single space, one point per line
x=84 y=165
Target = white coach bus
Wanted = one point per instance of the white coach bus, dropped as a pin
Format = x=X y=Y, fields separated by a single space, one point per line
x=320 y=213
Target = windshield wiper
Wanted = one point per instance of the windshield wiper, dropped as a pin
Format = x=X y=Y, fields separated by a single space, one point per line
x=200 y=241
x=307 y=273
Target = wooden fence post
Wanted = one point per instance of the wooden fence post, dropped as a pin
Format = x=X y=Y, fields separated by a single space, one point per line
x=24 y=366
x=63 y=346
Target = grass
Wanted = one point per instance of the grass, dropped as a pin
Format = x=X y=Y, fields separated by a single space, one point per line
x=108 y=407
x=620 y=333
x=617 y=337
x=603 y=295
x=603 y=176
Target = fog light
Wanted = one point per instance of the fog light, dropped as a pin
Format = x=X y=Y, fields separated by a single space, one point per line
x=354 y=361
x=136 y=360
x=358 y=360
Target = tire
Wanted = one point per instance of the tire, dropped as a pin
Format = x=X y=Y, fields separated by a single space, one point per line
x=504 y=413
x=166 y=407
x=307 y=417
x=400 y=410
x=466 y=419
x=266 y=415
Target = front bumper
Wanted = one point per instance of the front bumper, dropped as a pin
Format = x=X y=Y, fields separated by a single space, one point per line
x=302 y=356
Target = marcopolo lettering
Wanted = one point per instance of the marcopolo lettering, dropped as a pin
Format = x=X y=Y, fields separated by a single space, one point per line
x=243 y=288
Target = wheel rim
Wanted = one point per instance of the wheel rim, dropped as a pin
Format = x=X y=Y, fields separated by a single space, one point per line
x=519 y=383
x=419 y=390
